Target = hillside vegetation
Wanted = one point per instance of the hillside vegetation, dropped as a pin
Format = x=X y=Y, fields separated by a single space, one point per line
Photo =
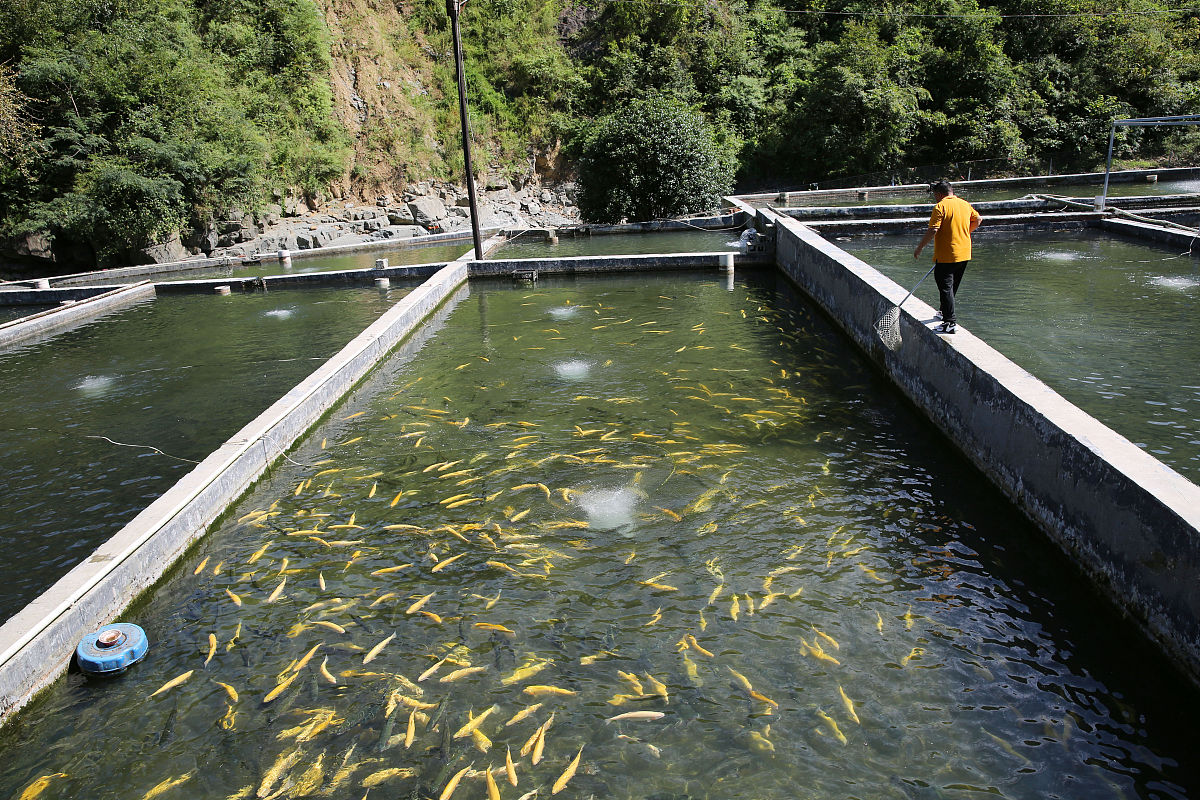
x=123 y=122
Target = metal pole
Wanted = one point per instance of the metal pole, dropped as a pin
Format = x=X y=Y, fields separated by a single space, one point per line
x=1112 y=134
x=452 y=8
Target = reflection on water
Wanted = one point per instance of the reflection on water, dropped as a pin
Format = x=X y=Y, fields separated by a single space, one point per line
x=180 y=374
x=740 y=536
x=1109 y=323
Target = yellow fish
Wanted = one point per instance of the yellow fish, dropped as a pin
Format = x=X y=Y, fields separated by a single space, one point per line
x=849 y=704
x=415 y=607
x=452 y=784
x=522 y=714
x=460 y=673
x=735 y=608
x=171 y=684
x=473 y=724
x=212 y=648
x=237 y=601
x=833 y=726
x=742 y=679
x=492 y=789
x=538 y=690
x=510 y=768
x=303 y=662
x=37 y=787
x=374 y=651
x=280 y=689
x=568 y=773
x=200 y=568
x=278 y=591
x=333 y=626
x=522 y=673
x=229 y=690
x=658 y=686
x=169 y=783
x=411 y=732
x=325 y=673
x=696 y=646
x=827 y=638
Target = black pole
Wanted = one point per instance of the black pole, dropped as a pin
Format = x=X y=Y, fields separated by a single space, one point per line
x=452 y=7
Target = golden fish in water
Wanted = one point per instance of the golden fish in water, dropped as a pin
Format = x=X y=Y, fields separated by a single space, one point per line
x=510 y=769
x=325 y=673
x=460 y=673
x=658 y=686
x=200 y=568
x=229 y=720
x=285 y=762
x=473 y=724
x=849 y=704
x=237 y=601
x=735 y=608
x=539 y=690
x=692 y=672
x=278 y=591
x=539 y=746
x=303 y=662
x=35 y=789
x=171 y=684
x=237 y=633
x=633 y=680
x=229 y=690
x=761 y=743
x=522 y=714
x=762 y=697
x=524 y=672
x=833 y=726
x=879 y=622
x=637 y=716
x=696 y=646
x=376 y=778
x=741 y=679
x=493 y=790
x=482 y=742
x=169 y=783
x=212 y=648
x=654 y=619
x=568 y=773
x=374 y=651
x=429 y=672
x=916 y=651
x=452 y=784
x=415 y=607
x=827 y=638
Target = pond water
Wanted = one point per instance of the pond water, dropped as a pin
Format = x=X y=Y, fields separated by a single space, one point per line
x=180 y=374
x=1109 y=323
x=1084 y=191
x=697 y=241
x=10 y=313
x=647 y=496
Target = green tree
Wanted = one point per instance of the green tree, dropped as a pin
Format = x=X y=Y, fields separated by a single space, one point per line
x=653 y=158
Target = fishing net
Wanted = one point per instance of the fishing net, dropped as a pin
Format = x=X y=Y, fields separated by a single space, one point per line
x=888 y=328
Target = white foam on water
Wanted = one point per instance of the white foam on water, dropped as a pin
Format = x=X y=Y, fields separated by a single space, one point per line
x=95 y=384
x=563 y=312
x=1056 y=255
x=1180 y=283
x=608 y=508
x=279 y=313
x=573 y=370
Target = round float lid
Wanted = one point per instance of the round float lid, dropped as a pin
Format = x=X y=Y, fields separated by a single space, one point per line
x=112 y=649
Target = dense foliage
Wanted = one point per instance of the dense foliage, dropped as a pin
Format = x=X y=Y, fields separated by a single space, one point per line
x=125 y=121
x=652 y=159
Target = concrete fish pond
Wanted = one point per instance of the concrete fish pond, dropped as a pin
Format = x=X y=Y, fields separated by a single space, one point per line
x=99 y=420
x=1107 y=321
x=579 y=243
x=621 y=537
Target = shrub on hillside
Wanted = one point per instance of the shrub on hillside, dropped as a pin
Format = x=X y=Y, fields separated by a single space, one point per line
x=650 y=159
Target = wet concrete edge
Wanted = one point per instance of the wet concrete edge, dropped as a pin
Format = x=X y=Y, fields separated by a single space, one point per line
x=36 y=645
x=1128 y=520
x=57 y=320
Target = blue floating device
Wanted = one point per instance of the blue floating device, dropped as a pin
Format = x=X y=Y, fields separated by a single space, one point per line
x=112 y=649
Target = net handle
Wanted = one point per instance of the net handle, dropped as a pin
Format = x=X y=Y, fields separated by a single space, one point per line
x=910 y=294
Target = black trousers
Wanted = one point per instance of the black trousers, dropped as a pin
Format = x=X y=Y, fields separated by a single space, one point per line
x=948 y=277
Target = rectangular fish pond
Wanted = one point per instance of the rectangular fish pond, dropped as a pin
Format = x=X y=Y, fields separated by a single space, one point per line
x=645 y=538
x=1084 y=191
x=86 y=412
x=1108 y=322
x=610 y=244
x=354 y=259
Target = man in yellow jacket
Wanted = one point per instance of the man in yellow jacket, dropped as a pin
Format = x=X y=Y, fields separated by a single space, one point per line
x=950 y=227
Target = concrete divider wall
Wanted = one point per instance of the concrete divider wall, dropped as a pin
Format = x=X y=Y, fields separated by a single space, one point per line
x=1186 y=242
x=634 y=263
x=1128 y=520
x=55 y=320
x=36 y=645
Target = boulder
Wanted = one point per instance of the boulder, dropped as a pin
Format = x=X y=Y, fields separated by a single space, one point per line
x=427 y=210
x=400 y=216
x=495 y=183
x=170 y=250
x=407 y=231
x=546 y=196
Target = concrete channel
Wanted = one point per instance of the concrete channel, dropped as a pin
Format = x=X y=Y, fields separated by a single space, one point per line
x=1130 y=522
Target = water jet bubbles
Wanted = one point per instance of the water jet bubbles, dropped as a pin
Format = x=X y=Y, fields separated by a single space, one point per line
x=1179 y=283
x=279 y=313
x=564 y=312
x=575 y=370
x=607 y=509
x=95 y=385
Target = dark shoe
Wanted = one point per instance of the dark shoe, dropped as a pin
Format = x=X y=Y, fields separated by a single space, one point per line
x=946 y=327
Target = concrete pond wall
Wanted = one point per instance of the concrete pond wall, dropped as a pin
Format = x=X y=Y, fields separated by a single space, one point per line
x=1129 y=521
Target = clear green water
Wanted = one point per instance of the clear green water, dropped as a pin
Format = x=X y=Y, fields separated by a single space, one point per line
x=623 y=244
x=772 y=464
x=181 y=374
x=1109 y=323
x=1084 y=191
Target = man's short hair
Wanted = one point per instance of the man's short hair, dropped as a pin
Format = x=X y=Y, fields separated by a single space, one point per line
x=940 y=186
